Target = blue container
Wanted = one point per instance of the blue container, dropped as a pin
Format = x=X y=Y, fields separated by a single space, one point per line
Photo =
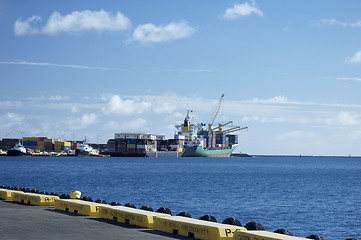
x=30 y=144
x=131 y=141
x=65 y=148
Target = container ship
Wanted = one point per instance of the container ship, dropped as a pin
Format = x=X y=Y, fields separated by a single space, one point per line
x=191 y=140
x=210 y=142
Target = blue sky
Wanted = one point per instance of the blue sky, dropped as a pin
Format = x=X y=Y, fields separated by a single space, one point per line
x=290 y=70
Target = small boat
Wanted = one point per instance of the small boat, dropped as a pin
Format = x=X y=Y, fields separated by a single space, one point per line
x=83 y=150
x=18 y=150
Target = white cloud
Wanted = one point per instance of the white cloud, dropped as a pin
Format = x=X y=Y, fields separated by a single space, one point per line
x=27 y=26
x=77 y=21
x=45 y=64
x=240 y=10
x=164 y=107
x=349 y=79
x=88 y=119
x=294 y=135
x=58 y=98
x=274 y=100
x=126 y=107
x=149 y=33
x=137 y=125
x=345 y=119
x=10 y=104
x=83 y=122
x=11 y=120
x=355 y=58
x=334 y=22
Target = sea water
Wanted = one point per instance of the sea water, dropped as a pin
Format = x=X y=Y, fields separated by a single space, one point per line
x=305 y=195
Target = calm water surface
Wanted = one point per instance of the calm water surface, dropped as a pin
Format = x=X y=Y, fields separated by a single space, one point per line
x=308 y=195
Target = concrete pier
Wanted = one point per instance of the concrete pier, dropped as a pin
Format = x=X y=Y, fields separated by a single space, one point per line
x=19 y=221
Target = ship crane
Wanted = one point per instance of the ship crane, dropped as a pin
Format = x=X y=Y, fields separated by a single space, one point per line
x=219 y=127
x=210 y=124
x=234 y=129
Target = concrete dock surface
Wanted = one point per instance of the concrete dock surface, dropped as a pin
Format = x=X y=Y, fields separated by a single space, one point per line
x=19 y=221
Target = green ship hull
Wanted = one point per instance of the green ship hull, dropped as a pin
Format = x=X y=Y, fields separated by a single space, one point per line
x=204 y=152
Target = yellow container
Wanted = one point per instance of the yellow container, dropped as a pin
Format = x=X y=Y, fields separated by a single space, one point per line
x=57 y=148
x=41 y=146
x=194 y=228
x=138 y=217
x=131 y=145
x=264 y=235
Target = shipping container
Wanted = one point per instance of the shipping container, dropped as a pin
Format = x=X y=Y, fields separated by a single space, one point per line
x=141 y=146
x=132 y=141
x=30 y=143
x=131 y=146
x=65 y=148
x=41 y=146
x=233 y=139
x=111 y=149
x=49 y=148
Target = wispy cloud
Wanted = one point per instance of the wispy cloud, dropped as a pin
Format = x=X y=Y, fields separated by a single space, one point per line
x=45 y=64
x=275 y=100
x=333 y=22
x=77 y=21
x=185 y=70
x=192 y=70
x=240 y=10
x=10 y=104
x=349 y=79
x=149 y=33
x=345 y=119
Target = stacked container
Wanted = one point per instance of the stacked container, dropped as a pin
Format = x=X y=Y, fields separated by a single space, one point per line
x=233 y=139
x=209 y=138
x=221 y=139
x=131 y=145
x=61 y=145
x=34 y=142
x=111 y=145
x=48 y=145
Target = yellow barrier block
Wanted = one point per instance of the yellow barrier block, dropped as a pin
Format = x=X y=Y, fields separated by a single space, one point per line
x=195 y=228
x=138 y=217
x=7 y=194
x=263 y=235
x=78 y=206
x=34 y=198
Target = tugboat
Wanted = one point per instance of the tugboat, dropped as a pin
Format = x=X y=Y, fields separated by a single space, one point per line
x=18 y=150
x=84 y=149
